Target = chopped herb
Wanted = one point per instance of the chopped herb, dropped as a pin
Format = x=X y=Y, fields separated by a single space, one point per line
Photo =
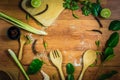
x=27 y=16
x=29 y=39
x=97 y=43
x=45 y=44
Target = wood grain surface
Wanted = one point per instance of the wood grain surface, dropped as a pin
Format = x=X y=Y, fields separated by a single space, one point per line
x=70 y=35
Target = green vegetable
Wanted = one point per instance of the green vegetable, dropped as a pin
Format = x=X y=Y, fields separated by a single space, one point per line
x=71 y=5
x=86 y=10
x=108 y=53
x=91 y=8
x=35 y=66
x=114 y=25
x=96 y=8
x=108 y=75
x=27 y=16
x=45 y=44
x=70 y=68
x=70 y=77
x=97 y=43
x=21 y=24
x=18 y=63
x=75 y=16
x=113 y=40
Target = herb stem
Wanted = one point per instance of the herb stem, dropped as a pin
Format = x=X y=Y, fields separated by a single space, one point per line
x=100 y=24
x=100 y=67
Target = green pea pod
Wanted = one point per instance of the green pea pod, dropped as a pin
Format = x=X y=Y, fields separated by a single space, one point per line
x=114 y=25
x=70 y=77
x=70 y=68
x=113 y=40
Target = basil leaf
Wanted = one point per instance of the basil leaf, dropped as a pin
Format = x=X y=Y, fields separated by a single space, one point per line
x=107 y=75
x=86 y=10
x=96 y=8
x=113 y=40
x=70 y=68
x=109 y=57
x=35 y=66
x=108 y=51
x=70 y=77
x=114 y=25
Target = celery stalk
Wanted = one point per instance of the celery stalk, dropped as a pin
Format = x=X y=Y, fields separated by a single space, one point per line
x=21 y=24
x=18 y=63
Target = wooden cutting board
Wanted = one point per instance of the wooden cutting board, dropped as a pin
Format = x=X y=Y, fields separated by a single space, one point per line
x=54 y=8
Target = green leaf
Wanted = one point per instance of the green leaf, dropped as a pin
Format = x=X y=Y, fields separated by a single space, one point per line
x=97 y=43
x=108 y=54
x=109 y=57
x=70 y=68
x=113 y=40
x=70 y=77
x=45 y=44
x=75 y=16
x=108 y=51
x=107 y=75
x=86 y=10
x=35 y=66
x=114 y=25
x=96 y=8
x=27 y=16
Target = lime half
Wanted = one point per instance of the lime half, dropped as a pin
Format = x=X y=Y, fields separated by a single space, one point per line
x=105 y=13
x=35 y=3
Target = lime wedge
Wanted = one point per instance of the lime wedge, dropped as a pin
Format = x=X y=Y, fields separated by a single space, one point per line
x=35 y=3
x=105 y=13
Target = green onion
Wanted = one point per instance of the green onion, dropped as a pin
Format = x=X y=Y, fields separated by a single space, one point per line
x=21 y=24
x=18 y=63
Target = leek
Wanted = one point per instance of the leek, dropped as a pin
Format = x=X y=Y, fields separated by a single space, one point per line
x=21 y=24
x=18 y=63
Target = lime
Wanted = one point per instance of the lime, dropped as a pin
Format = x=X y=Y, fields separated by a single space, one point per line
x=35 y=3
x=105 y=13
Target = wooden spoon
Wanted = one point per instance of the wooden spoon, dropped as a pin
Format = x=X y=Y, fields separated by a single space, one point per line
x=22 y=42
x=88 y=58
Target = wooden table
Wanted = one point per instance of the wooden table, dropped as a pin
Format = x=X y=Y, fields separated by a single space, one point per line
x=68 y=34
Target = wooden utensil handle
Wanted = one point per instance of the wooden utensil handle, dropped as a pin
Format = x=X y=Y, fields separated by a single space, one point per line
x=61 y=73
x=20 y=52
x=81 y=75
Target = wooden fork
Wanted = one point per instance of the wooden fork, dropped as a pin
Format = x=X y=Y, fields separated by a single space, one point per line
x=22 y=42
x=56 y=58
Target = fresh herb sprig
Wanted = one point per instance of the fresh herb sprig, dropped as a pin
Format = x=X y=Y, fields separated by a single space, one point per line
x=70 y=71
x=89 y=7
x=71 y=5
